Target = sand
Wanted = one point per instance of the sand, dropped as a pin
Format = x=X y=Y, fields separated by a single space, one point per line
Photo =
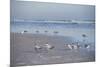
x=24 y=54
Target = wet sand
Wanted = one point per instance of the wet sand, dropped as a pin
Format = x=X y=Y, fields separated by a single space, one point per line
x=24 y=54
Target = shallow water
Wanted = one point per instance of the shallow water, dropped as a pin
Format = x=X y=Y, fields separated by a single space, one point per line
x=75 y=30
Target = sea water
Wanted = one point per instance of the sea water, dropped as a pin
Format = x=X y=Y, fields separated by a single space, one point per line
x=75 y=30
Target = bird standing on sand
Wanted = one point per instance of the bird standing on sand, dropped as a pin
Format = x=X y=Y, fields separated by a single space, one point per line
x=48 y=47
x=87 y=46
x=72 y=46
x=37 y=47
x=76 y=45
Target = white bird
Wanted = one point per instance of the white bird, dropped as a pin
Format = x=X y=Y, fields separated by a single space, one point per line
x=72 y=46
x=37 y=47
x=48 y=46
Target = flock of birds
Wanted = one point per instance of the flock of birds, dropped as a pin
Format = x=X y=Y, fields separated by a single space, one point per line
x=50 y=47
x=46 y=46
x=67 y=46
x=25 y=31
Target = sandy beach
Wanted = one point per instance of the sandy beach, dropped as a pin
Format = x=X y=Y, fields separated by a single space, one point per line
x=24 y=54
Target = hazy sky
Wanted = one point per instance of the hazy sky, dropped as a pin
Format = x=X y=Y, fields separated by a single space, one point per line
x=51 y=11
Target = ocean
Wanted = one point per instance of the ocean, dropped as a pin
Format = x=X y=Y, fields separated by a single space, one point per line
x=75 y=30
